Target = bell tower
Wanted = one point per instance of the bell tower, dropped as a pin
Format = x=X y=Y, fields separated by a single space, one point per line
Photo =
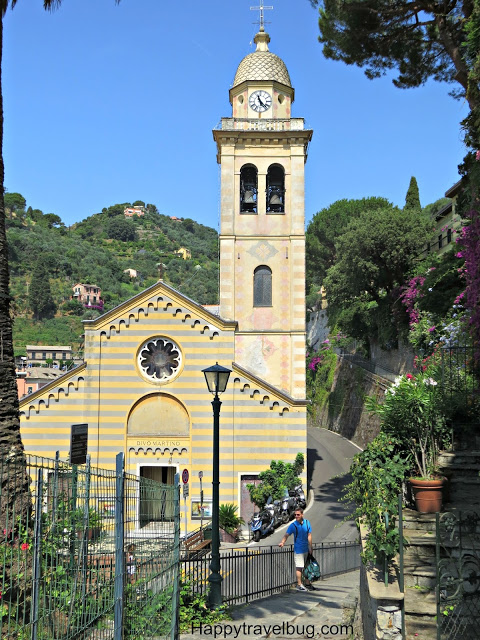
x=262 y=152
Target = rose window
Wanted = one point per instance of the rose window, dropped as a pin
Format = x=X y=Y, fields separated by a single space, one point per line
x=159 y=359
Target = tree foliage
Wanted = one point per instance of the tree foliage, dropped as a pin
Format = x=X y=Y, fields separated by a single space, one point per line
x=419 y=40
x=120 y=228
x=40 y=298
x=273 y=482
x=375 y=254
x=412 y=199
x=325 y=228
x=14 y=201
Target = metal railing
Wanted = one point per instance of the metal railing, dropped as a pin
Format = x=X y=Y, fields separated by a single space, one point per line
x=256 y=572
x=84 y=553
x=261 y=124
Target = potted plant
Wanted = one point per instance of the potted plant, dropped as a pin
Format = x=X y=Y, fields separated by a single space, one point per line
x=229 y=522
x=412 y=412
x=94 y=525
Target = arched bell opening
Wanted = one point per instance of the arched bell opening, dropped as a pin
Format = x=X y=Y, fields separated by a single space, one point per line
x=275 y=189
x=248 y=189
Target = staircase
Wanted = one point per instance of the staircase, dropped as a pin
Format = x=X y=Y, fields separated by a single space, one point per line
x=462 y=492
x=419 y=575
x=462 y=469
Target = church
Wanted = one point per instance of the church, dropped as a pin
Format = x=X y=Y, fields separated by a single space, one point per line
x=141 y=389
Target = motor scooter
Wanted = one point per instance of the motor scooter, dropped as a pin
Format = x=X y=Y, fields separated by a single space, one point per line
x=288 y=505
x=263 y=523
x=300 y=496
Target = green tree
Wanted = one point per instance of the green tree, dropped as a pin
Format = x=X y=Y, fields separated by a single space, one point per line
x=120 y=228
x=375 y=254
x=273 y=482
x=412 y=199
x=14 y=202
x=420 y=40
x=40 y=299
x=325 y=228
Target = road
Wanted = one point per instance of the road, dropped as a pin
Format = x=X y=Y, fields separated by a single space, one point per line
x=328 y=456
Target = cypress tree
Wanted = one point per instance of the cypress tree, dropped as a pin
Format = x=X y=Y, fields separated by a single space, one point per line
x=40 y=298
x=412 y=199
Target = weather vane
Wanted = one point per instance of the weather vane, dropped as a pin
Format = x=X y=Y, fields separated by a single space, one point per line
x=261 y=8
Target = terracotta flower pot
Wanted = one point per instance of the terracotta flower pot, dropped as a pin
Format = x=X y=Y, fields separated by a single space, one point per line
x=428 y=494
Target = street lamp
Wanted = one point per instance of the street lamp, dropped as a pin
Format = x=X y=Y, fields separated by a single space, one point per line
x=217 y=378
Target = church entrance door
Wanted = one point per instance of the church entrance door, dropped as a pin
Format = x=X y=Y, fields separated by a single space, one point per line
x=154 y=505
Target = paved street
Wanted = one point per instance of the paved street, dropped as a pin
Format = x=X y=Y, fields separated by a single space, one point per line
x=329 y=455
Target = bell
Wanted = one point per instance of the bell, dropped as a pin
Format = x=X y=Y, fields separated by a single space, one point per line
x=275 y=199
x=248 y=197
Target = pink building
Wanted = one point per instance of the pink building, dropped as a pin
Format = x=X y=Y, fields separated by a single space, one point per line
x=89 y=295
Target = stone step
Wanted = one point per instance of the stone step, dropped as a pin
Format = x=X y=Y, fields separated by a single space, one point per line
x=415 y=520
x=446 y=459
x=420 y=602
x=416 y=537
x=417 y=573
x=420 y=627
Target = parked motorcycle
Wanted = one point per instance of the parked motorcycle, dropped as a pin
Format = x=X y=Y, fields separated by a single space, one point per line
x=288 y=506
x=300 y=496
x=264 y=522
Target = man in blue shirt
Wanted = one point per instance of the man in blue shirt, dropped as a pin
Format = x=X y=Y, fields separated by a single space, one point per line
x=302 y=546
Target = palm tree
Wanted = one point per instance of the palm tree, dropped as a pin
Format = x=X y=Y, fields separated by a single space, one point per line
x=12 y=484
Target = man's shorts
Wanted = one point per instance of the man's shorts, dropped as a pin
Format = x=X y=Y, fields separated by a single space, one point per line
x=300 y=559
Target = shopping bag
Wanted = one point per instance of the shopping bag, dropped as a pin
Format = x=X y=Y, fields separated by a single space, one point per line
x=311 y=570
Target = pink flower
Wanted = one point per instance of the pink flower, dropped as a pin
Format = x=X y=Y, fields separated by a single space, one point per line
x=409 y=376
x=24 y=546
x=432 y=329
x=477 y=156
x=459 y=254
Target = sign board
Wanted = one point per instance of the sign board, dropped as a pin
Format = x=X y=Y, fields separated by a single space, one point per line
x=78 y=443
x=186 y=490
x=185 y=476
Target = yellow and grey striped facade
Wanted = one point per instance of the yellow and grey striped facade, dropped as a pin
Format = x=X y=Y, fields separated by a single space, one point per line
x=165 y=424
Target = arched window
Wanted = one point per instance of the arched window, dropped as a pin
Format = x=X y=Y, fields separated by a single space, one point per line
x=262 y=287
x=248 y=189
x=275 y=189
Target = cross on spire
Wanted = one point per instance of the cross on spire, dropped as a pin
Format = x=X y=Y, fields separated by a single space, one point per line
x=261 y=8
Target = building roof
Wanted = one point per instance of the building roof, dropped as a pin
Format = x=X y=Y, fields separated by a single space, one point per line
x=262 y=64
x=43 y=347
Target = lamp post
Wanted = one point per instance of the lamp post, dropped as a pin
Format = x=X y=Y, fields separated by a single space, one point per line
x=216 y=378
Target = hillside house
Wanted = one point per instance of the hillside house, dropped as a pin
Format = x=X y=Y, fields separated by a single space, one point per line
x=37 y=354
x=89 y=295
x=183 y=253
x=447 y=224
x=138 y=210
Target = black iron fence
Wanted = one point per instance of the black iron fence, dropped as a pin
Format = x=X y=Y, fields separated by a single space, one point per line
x=84 y=553
x=458 y=575
x=255 y=572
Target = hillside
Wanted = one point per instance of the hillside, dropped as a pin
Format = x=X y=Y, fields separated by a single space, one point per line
x=97 y=251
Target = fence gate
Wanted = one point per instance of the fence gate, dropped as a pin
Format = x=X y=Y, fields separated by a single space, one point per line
x=458 y=575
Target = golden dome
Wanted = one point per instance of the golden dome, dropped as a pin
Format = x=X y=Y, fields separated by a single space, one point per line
x=262 y=64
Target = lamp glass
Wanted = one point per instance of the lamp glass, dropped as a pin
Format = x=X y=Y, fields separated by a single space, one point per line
x=217 y=378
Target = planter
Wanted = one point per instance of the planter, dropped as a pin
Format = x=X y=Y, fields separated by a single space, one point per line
x=428 y=494
x=227 y=537
x=93 y=533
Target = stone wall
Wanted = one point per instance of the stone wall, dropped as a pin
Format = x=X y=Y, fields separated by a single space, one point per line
x=380 y=606
x=344 y=411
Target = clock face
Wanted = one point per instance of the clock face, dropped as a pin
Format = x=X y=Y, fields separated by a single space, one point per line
x=260 y=101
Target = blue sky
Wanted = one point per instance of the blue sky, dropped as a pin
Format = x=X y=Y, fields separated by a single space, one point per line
x=107 y=104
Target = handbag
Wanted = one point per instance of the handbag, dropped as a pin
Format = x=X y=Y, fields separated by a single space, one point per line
x=311 y=570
